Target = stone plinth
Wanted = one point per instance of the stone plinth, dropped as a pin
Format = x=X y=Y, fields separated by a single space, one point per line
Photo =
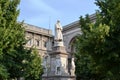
x=58 y=78
x=58 y=65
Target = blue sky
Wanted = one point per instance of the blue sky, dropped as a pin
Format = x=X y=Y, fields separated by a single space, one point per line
x=43 y=13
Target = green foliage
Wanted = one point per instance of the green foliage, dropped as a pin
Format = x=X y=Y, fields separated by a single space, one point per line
x=110 y=11
x=34 y=68
x=82 y=62
x=83 y=67
x=89 y=42
x=12 y=40
x=3 y=72
x=101 y=41
x=12 y=50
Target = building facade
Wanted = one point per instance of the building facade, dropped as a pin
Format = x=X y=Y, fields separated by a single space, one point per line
x=42 y=38
x=70 y=32
x=39 y=38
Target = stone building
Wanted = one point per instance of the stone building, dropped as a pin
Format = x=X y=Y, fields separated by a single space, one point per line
x=70 y=32
x=40 y=38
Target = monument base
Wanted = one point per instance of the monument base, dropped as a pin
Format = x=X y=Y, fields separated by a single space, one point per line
x=58 y=65
x=58 y=78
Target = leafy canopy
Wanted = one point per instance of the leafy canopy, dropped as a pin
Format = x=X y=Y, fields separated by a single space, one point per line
x=12 y=41
x=101 y=40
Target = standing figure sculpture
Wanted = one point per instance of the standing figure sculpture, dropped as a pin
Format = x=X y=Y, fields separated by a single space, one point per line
x=58 y=67
x=44 y=67
x=58 y=34
x=72 y=67
x=58 y=31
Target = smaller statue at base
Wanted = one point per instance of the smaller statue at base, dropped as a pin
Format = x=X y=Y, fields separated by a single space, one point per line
x=58 y=67
x=72 y=67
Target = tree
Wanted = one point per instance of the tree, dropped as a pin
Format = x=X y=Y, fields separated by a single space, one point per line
x=101 y=40
x=13 y=54
x=34 y=67
x=3 y=72
x=12 y=39
x=91 y=36
x=110 y=13
x=83 y=67
x=82 y=62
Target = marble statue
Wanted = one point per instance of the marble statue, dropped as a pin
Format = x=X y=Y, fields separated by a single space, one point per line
x=45 y=65
x=58 y=34
x=58 y=67
x=72 y=67
x=58 y=31
x=44 y=68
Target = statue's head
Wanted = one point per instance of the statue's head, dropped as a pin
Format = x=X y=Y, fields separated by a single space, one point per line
x=58 y=21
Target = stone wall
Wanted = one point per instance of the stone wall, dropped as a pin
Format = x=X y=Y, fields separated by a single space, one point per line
x=38 y=37
x=72 y=30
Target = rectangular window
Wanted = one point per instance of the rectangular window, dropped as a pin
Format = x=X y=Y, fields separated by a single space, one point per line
x=45 y=44
x=29 y=42
x=38 y=43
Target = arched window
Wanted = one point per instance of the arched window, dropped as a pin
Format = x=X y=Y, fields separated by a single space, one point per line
x=72 y=45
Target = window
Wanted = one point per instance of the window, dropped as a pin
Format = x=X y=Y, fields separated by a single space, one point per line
x=37 y=43
x=29 y=42
x=45 y=44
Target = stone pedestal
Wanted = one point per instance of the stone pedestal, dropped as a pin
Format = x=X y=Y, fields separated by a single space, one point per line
x=58 y=65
